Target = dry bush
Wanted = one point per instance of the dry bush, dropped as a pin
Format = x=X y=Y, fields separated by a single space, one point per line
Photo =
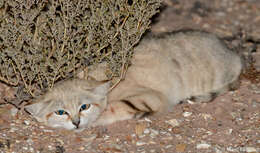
x=44 y=41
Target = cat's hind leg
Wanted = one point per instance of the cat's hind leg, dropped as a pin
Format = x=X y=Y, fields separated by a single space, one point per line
x=212 y=95
x=204 y=98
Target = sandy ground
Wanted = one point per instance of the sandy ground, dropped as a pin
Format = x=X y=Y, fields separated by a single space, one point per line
x=229 y=124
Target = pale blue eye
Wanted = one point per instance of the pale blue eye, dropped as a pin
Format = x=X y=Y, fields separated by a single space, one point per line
x=84 y=107
x=60 y=112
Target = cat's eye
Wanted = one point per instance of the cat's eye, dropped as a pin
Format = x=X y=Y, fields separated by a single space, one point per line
x=60 y=112
x=84 y=107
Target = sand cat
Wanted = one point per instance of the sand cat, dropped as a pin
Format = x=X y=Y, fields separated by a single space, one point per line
x=165 y=70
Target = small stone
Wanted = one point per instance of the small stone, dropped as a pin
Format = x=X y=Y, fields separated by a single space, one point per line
x=206 y=116
x=146 y=131
x=154 y=133
x=190 y=102
x=250 y=149
x=47 y=130
x=26 y=122
x=139 y=129
x=31 y=149
x=147 y=120
x=209 y=132
x=13 y=129
x=168 y=146
x=140 y=143
x=180 y=147
x=163 y=132
x=230 y=131
x=81 y=148
x=173 y=122
x=152 y=142
x=218 y=151
x=167 y=138
x=25 y=148
x=230 y=149
x=13 y=111
x=29 y=141
x=187 y=114
x=203 y=146
x=106 y=137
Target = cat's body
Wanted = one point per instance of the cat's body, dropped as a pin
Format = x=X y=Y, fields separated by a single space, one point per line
x=168 y=69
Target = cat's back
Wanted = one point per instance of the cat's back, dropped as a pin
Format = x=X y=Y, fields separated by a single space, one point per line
x=192 y=61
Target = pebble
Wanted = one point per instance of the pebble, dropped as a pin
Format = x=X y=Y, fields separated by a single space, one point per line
x=218 y=151
x=147 y=120
x=25 y=148
x=13 y=129
x=230 y=131
x=47 y=130
x=187 y=114
x=206 y=116
x=106 y=137
x=29 y=141
x=209 y=132
x=248 y=149
x=26 y=122
x=146 y=131
x=173 y=122
x=203 y=146
x=140 y=143
x=168 y=146
x=190 y=102
x=81 y=148
x=180 y=147
x=154 y=133
x=230 y=149
x=50 y=147
x=14 y=111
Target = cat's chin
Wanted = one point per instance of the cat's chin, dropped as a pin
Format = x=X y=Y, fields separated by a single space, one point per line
x=70 y=128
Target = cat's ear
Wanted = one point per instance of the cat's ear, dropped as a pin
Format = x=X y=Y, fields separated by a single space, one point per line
x=102 y=89
x=36 y=108
x=33 y=109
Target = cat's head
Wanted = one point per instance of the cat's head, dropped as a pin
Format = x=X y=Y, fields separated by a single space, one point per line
x=73 y=104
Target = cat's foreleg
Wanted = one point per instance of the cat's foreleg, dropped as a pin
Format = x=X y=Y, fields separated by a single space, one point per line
x=134 y=106
x=115 y=111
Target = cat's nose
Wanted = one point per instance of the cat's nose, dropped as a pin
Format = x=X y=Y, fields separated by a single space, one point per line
x=76 y=122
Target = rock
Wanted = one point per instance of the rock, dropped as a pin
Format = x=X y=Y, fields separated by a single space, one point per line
x=154 y=133
x=173 y=122
x=187 y=114
x=206 y=116
x=26 y=122
x=249 y=149
x=203 y=146
x=146 y=131
x=180 y=147
x=168 y=146
x=140 y=143
x=139 y=128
